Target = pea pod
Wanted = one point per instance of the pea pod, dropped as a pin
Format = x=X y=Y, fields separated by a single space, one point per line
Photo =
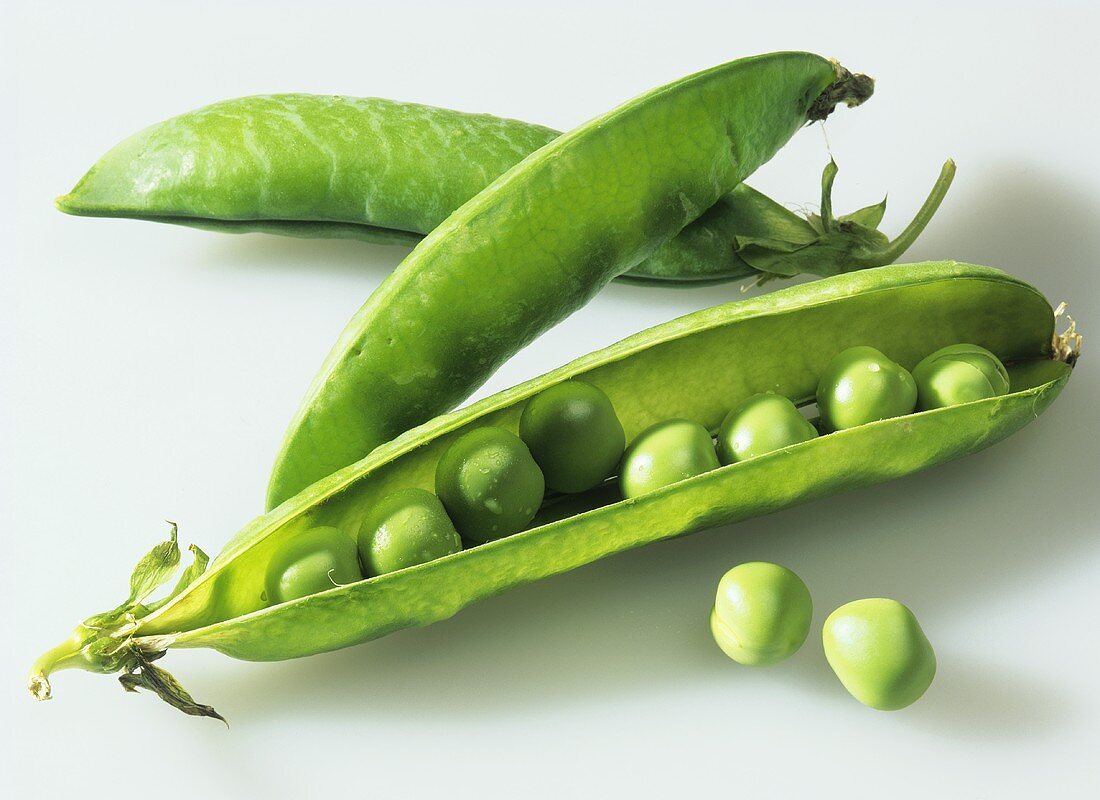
x=780 y=342
x=324 y=166
x=539 y=242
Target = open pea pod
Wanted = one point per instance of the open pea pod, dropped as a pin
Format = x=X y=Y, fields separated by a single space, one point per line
x=695 y=367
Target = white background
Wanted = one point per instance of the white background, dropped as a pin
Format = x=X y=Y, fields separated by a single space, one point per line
x=148 y=372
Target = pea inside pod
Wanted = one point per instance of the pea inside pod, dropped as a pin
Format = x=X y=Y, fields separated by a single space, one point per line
x=489 y=484
x=664 y=373
x=666 y=453
x=320 y=559
x=406 y=528
x=574 y=435
x=862 y=385
x=959 y=373
x=760 y=424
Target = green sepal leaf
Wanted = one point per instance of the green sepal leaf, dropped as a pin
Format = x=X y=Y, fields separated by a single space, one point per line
x=146 y=675
x=842 y=244
x=155 y=568
x=194 y=570
x=151 y=572
x=868 y=216
x=744 y=244
x=828 y=175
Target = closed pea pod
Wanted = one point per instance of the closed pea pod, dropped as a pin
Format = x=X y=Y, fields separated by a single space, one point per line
x=540 y=242
x=383 y=171
x=783 y=342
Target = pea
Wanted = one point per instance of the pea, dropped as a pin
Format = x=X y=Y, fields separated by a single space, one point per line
x=573 y=434
x=489 y=484
x=878 y=650
x=406 y=528
x=760 y=424
x=761 y=613
x=666 y=453
x=862 y=385
x=312 y=562
x=959 y=373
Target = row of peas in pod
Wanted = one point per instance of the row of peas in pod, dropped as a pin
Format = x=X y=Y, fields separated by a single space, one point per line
x=490 y=483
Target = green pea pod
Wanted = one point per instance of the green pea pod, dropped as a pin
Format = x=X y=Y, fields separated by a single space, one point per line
x=323 y=166
x=539 y=242
x=780 y=342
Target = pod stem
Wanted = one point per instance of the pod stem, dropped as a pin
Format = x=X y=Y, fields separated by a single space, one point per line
x=893 y=251
x=67 y=655
x=849 y=88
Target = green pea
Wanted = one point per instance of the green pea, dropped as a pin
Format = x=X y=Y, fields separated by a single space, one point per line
x=761 y=613
x=574 y=435
x=878 y=650
x=760 y=424
x=489 y=484
x=861 y=385
x=406 y=528
x=314 y=561
x=666 y=453
x=959 y=373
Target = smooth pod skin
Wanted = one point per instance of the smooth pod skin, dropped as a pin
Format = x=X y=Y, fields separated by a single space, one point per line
x=539 y=243
x=665 y=453
x=408 y=527
x=325 y=166
x=879 y=652
x=574 y=436
x=760 y=424
x=862 y=385
x=315 y=561
x=489 y=484
x=779 y=342
x=761 y=613
x=960 y=373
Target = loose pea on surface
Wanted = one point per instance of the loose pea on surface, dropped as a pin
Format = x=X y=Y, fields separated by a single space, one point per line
x=760 y=424
x=878 y=650
x=314 y=561
x=665 y=453
x=761 y=613
x=489 y=484
x=573 y=434
x=959 y=373
x=406 y=528
x=862 y=385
